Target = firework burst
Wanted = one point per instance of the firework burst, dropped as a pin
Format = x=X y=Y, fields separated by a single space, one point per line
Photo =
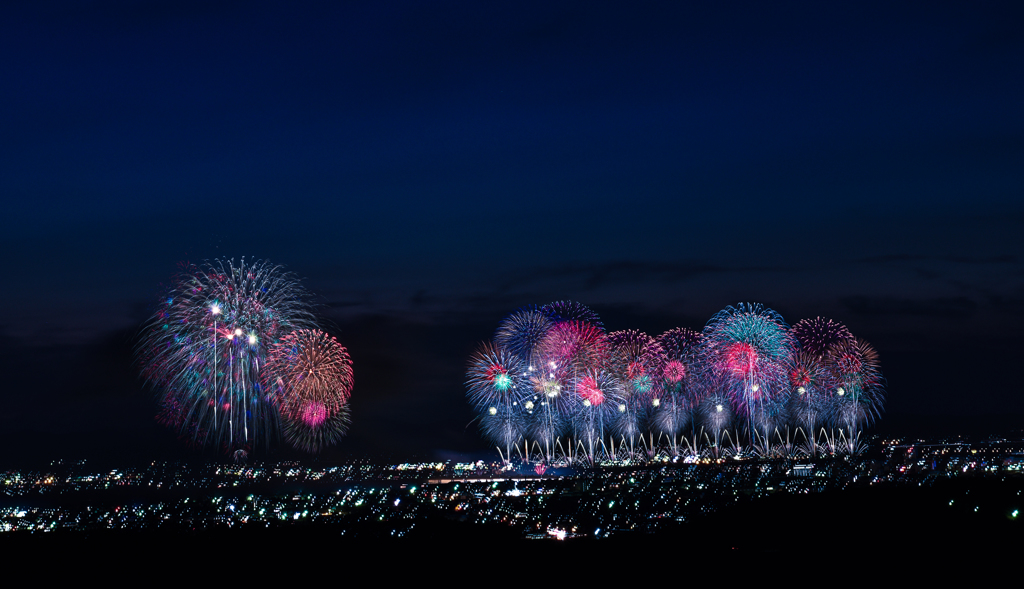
x=816 y=336
x=521 y=332
x=808 y=400
x=750 y=348
x=555 y=381
x=681 y=380
x=639 y=361
x=206 y=348
x=496 y=377
x=600 y=394
x=857 y=389
x=498 y=386
x=311 y=374
x=562 y=311
x=567 y=352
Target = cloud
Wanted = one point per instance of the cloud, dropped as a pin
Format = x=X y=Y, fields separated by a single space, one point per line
x=940 y=307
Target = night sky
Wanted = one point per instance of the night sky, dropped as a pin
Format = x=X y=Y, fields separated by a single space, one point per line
x=428 y=167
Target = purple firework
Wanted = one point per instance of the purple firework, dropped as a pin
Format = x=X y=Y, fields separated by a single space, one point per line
x=856 y=386
x=818 y=335
x=521 y=332
x=561 y=311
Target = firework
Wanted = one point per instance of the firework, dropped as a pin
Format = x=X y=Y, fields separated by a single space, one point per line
x=682 y=369
x=574 y=345
x=818 y=335
x=571 y=311
x=750 y=347
x=544 y=423
x=716 y=413
x=600 y=394
x=681 y=380
x=681 y=343
x=504 y=426
x=317 y=429
x=554 y=379
x=521 y=332
x=639 y=361
x=206 y=348
x=856 y=385
x=670 y=417
x=496 y=377
x=567 y=352
x=808 y=400
x=497 y=384
x=311 y=374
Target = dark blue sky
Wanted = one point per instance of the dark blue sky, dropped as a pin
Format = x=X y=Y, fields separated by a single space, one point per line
x=427 y=167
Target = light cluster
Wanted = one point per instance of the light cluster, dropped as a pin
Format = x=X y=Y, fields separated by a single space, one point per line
x=553 y=384
x=236 y=356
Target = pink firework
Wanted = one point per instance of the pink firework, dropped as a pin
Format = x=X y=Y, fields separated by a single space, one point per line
x=589 y=390
x=312 y=377
x=750 y=348
x=740 y=359
x=639 y=361
x=314 y=414
x=800 y=376
x=675 y=371
x=573 y=346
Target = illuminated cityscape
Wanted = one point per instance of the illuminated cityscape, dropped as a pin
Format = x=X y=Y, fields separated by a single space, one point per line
x=362 y=500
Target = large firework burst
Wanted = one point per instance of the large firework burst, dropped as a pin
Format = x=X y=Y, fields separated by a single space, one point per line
x=206 y=348
x=749 y=347
x=568 y=350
